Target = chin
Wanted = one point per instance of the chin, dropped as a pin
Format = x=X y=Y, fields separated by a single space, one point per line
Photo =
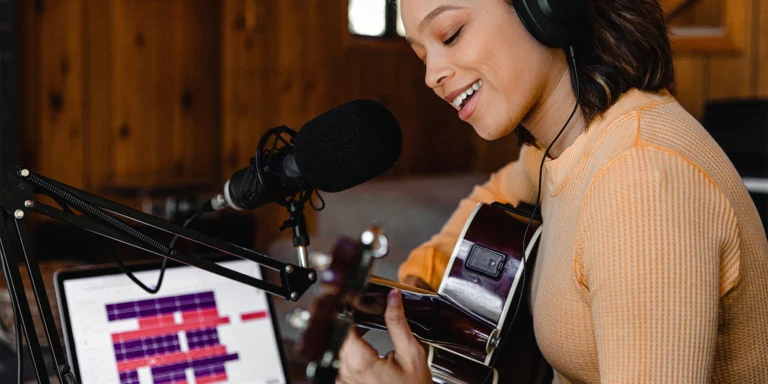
x=493 y=131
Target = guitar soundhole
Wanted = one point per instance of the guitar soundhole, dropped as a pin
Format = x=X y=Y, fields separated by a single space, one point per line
x=486 y=261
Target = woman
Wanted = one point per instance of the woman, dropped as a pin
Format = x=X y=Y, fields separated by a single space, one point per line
x=653 y=263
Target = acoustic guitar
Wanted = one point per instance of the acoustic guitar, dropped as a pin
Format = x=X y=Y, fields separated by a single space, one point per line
x=477 y=326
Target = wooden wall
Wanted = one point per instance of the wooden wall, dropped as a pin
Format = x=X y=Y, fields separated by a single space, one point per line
x=281 y=65
x=131 y=94
x=122 y=93
x=702 y=77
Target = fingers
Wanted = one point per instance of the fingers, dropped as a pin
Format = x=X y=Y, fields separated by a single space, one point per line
x=406 y=346
x=356 y=357
x=344 y=376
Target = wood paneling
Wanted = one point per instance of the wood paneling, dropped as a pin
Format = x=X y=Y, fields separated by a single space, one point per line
x=280 y=66
x=99 y=93
x=29 y=76
x=167 y=83
x=193 y=65
x=762 y=49
x=59 y=91
x=134 y=145
x=738 y=81
x=727 y=34
x=692 y=82
x=706 y=76
x=122 y=93
x=670 y=6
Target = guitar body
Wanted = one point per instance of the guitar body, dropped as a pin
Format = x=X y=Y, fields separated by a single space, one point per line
x=465 y=321
x=479 y=316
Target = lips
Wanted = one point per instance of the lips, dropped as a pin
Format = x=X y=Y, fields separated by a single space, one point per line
x=469 y=105
x=465 y=99
x=461 y=96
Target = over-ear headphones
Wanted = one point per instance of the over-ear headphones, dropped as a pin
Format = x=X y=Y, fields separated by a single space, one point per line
x=555 y=23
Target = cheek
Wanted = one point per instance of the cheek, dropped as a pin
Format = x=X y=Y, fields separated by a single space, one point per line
x=511 y=55
x=506 y=57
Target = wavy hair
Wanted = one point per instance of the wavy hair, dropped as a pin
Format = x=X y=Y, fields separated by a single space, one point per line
x=626 y=46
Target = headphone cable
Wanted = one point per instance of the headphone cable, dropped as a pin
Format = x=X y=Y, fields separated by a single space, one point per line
x=570 y=53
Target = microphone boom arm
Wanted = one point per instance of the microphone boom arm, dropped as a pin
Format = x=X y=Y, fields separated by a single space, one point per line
x=17 y=199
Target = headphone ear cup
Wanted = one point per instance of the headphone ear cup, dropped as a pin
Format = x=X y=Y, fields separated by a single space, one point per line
x=554 y=23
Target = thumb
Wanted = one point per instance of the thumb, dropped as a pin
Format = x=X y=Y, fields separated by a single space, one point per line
x=405 y=343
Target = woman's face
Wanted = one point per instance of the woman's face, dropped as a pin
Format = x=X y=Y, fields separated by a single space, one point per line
x=480 y=47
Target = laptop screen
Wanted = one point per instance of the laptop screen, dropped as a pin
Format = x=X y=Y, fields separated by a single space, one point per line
x=199 y=329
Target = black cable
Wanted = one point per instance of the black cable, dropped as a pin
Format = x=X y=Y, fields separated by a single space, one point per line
x=319 y=197
x=111 y=253
x=19 y=354
x=136 y=280
x=131 y=276
x=571 y=58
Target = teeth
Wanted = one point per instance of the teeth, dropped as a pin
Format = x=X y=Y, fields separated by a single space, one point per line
x=469 y=92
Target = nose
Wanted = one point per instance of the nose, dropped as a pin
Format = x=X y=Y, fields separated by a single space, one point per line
x=438 y=71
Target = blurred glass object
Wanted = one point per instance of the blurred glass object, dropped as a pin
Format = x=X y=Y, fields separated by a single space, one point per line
x=367 y=17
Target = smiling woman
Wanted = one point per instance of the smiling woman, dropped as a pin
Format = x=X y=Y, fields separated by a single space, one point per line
x=653 y=262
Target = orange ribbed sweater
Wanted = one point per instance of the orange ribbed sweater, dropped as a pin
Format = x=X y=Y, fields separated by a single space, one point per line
x=653 y=262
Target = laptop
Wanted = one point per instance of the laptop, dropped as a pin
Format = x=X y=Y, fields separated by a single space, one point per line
x=200 y=328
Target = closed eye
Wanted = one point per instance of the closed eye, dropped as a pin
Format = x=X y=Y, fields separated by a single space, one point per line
x=454 y=37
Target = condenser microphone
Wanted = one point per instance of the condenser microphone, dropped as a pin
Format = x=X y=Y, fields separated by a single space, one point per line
x=342 y=148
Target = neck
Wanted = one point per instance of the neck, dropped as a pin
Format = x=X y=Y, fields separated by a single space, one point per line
x=547 y=118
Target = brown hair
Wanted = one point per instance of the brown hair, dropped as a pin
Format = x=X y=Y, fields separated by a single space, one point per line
x=626 y=46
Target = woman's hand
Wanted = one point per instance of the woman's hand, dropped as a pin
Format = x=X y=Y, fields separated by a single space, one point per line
x=360 y=363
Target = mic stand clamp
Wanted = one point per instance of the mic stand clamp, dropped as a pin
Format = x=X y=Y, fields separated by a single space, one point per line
x=300 y=235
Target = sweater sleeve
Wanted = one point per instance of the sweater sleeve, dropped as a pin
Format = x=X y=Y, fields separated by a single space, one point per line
x=656 y=248
x=511 y=184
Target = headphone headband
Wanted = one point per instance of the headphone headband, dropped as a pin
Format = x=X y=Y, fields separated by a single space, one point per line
x=555 y=23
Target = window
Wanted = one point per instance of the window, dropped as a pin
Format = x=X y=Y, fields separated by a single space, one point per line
x=377 y=18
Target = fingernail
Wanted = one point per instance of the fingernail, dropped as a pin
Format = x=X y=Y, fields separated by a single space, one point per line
x=394 y=297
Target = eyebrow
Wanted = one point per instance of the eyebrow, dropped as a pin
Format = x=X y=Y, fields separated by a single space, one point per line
x=432 y=16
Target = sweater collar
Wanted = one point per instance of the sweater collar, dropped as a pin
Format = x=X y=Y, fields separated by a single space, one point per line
x=557 y=171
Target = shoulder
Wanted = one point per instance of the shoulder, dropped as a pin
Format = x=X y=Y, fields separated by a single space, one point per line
x=654 y=203
x=654 y=129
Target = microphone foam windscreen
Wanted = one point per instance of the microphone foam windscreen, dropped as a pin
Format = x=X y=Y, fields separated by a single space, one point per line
x=348 y=145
